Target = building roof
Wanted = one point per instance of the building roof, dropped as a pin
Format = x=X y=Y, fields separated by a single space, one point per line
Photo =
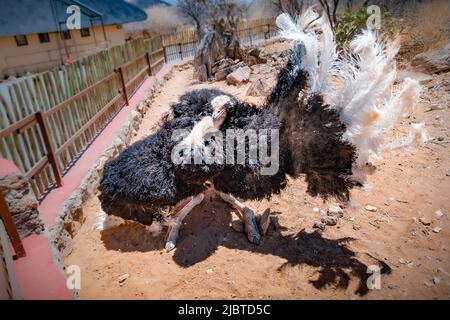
x=147 y=4
x=39 y=16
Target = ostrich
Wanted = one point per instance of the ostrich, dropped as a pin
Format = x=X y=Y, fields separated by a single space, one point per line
x=328 y=116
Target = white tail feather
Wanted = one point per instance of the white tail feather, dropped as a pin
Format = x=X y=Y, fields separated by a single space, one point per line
x=358 y=85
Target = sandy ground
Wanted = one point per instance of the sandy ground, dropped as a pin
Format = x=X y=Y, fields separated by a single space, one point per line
x=294 y=261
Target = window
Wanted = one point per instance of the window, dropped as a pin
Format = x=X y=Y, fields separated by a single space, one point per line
x=21 y=40
x=85 y=32
x=44 y=37
x=65 y=35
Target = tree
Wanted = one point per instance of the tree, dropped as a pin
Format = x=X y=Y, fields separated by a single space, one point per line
x=330 y=8
x=194 y=10
x=213 y=14
x=292 y=7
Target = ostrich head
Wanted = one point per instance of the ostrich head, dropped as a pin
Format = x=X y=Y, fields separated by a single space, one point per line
x=220 y=105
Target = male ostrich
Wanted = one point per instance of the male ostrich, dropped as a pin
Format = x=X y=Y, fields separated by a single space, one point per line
x=331 y=115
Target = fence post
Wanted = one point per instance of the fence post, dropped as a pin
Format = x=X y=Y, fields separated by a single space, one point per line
x=165 y=54
x=147 y=56
x=10 y=227
x=181 y=51
x=49 y=146
x=124 y=85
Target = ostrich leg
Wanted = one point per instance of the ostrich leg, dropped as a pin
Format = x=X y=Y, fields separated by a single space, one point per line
x=175 y=224
x=247 y=216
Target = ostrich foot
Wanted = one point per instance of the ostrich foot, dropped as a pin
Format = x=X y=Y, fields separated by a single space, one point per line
x=264 y=221
x=175 y=223
x=251 y=228
x=246 y=215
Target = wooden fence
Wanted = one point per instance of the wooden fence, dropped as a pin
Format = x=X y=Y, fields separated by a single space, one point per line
x=47 y=120
x=183 y=44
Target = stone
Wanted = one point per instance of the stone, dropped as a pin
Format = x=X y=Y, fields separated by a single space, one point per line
x=233 y=295
x=316 y=210
x=425 y=221
x=250 y=60
x=436 y=280
x=335 y=211
x=439 y=214
x=331 y=220
x=22 y=204
x=123 y=278
x=433 y=61
x=319 y=225
x=241 y=75
x=221 y=74
x=255 y=52
x=356 y=227
x=209 y=271
x=437 y=229
x=260 y=87
x=371 y=208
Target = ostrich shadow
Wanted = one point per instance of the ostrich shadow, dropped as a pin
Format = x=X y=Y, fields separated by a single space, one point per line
x=207 y=228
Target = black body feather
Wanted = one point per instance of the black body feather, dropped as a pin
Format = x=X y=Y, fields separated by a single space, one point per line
x=143 y=179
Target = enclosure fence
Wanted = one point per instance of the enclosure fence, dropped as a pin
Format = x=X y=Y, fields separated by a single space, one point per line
x=182 y=45
x=48 y=120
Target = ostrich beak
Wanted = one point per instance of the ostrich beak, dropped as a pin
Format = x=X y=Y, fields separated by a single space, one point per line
x=219 y=113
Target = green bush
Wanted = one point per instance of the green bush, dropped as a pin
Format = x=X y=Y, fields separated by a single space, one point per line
x=350 y=24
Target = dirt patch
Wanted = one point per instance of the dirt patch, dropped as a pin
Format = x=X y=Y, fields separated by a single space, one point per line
x=294 y=260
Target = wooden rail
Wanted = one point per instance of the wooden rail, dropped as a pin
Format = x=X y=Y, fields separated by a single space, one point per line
x=42 y=119
x=10 y=227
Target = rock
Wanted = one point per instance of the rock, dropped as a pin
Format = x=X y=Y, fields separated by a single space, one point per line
x=425 y=221
x=236 y=66
x=437 y=229
x=439 y=214
x=22 y=204
x=331 y=220
x=316 y=210
x=123 y=279
x=233 y=295
x=319 y=225
x=436 y=280
x=255 y=52
x=209 y=271
x=402 y=261
x=371 y=208
x=221 y=74
x=250 y=60
x=356 y=227
x=241 y=75
x=335 y=211
x=433 y=61
x=260 y=87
